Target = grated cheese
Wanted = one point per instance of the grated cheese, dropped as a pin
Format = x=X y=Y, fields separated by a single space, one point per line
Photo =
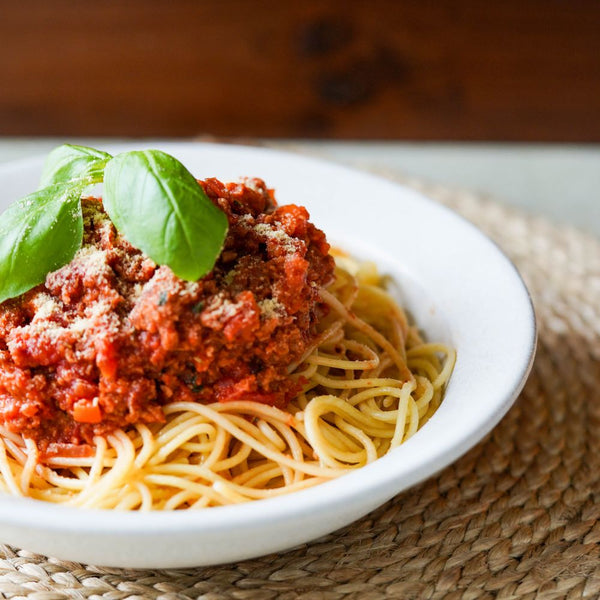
x=271 y=307
x=288 y=243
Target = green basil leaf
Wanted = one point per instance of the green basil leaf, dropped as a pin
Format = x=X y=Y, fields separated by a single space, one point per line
x=158 y=206
x=69 y=162
x=39 y=234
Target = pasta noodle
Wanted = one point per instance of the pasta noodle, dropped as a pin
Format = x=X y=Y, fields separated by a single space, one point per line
x=369 y=383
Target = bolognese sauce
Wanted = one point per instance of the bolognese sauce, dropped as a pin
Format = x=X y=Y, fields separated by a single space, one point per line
x=111 y=337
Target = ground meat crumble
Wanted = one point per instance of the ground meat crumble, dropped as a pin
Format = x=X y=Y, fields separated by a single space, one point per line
x=111 y=337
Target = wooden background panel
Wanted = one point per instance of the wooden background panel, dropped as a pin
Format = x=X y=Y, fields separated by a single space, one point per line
x=462 y=70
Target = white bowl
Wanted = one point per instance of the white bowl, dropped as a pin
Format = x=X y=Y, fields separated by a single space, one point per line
x=457 y=284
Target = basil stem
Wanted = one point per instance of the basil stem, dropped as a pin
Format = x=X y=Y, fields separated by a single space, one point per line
x=39 y=234
x=69 y=162
x=160 y=208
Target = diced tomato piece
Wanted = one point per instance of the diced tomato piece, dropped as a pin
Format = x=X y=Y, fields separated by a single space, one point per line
x=86 y=411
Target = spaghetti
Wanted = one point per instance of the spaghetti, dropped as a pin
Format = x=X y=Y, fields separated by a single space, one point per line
x=369 y=382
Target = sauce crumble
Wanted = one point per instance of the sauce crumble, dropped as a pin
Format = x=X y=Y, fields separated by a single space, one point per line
x=111 y=337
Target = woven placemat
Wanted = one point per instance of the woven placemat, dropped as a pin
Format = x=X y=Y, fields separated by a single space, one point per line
x=517 y=517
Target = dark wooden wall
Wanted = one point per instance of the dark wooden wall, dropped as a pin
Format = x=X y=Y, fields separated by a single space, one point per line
x=462 y=70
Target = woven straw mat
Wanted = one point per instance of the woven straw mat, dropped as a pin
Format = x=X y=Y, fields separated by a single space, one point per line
x=517 y=517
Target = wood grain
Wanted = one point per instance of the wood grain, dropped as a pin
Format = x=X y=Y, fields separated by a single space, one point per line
x=463 y=70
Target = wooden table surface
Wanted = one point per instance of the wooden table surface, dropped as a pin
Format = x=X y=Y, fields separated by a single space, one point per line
x=383 y=69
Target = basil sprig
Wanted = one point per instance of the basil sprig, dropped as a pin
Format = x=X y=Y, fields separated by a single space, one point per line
x=152 y=199
x=68 y=162
x=166 y=214
x=44 y=241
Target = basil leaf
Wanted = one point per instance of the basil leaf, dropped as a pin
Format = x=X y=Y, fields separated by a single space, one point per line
x=160 y=208
x=39 y=234
x=69 y=162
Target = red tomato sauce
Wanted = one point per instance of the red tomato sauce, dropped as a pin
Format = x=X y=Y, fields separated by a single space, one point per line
x=111 y=337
